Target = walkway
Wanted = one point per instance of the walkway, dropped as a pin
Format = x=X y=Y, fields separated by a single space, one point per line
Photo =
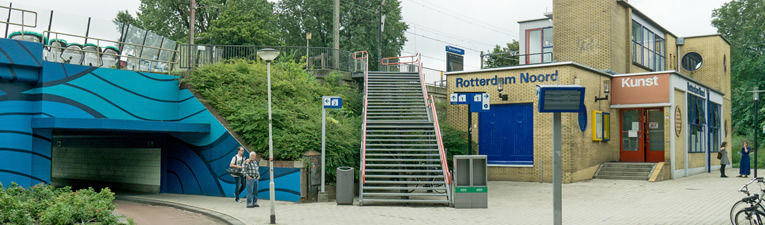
x=699 y=199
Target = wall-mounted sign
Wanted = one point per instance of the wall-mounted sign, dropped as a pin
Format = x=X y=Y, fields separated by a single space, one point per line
x=653 y=125
x=696 y=90
x=679 y=121
x=522 y=78
x=478 y=102
x=645 y=89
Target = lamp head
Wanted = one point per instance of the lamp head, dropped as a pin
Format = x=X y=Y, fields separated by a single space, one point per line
x=268 y=54
x=606 y=86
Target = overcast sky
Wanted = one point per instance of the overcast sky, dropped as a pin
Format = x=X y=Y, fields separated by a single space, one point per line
x=473 y=25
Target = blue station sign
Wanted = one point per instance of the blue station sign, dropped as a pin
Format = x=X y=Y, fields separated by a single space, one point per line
x=455 y=50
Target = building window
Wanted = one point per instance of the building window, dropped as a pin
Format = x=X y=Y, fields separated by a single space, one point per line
x=714 y=126
x=725 y=65
x=648 y=49
x=601 y=126
x=539 y=45
x=692 y=61
x=696 y=121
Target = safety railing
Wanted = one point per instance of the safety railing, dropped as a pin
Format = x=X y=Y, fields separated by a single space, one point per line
x=513 y=58
x=441 y=150
x=315 y=57
x=164 y=60
x=23 y=18
x=410 y=62
x=363 y=58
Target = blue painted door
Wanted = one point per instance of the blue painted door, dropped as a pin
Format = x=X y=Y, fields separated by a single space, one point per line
x=506 y=134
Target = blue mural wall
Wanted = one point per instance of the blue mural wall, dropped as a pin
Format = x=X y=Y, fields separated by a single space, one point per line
x=33 y=91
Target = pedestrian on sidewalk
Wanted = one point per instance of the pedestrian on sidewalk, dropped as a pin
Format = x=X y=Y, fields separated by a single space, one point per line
x=723 y=158
x=236 y=162
x=744 y=164
x=253 y=175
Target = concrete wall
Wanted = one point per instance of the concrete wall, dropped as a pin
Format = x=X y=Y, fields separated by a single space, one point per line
x=134 y=167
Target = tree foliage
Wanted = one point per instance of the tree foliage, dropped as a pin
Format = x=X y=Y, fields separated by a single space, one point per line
x=242 y=20
x=502 y=56
x=358 y=25
x=741 y=22
x=238 y=91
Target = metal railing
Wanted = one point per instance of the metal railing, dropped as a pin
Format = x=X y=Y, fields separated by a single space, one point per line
x=363 y=58
x=153 y=63
x=513 y=58
x=410 y=64
x=23 y=20
x=315 y=57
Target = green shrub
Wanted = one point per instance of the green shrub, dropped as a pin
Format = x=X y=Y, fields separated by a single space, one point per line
x=238 y=91
x=44 y=204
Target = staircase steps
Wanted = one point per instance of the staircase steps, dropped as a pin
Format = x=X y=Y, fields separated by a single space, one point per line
x=625 y=171
x=402 y=160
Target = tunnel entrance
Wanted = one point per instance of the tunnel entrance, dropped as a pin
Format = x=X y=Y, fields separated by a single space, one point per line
x=123 y=162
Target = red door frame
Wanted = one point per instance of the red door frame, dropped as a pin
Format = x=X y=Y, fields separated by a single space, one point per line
x=642 y=154
x=652 y=156
x=631 y=156
x=541 y=43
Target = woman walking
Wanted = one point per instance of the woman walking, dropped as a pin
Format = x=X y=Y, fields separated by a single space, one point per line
x=744 y=166
x=723 y=158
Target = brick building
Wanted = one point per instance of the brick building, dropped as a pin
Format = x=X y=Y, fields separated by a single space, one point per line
x=668 y=96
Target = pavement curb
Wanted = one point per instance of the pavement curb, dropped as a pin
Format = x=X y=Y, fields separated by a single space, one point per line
x=227 y=219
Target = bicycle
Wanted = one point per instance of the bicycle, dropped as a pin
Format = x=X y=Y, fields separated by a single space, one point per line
x=752 y=214
x=741 y=204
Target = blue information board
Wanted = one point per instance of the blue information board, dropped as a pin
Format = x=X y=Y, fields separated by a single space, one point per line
x=332 y=102
x=478 y=102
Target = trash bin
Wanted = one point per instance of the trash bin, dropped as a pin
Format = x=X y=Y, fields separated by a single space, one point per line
x=344 y=189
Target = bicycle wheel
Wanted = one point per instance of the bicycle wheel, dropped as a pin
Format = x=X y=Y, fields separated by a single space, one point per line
x=740 y=205
x=743 y=217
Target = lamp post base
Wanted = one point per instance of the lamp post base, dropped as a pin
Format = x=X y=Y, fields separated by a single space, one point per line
x=273 y=219
x=323 y=197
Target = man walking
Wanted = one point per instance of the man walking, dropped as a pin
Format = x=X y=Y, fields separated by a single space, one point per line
x=236 y=162
x=252 y=175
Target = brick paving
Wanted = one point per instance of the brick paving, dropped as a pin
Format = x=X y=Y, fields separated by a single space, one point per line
x=698 y=199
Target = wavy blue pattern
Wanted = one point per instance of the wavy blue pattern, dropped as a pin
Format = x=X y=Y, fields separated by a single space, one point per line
x=191 y=163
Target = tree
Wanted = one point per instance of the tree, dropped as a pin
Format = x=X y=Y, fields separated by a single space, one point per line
x=245 y=22
x=170 y=18
x=358 y=25
x=740 y=21
x=501 y=57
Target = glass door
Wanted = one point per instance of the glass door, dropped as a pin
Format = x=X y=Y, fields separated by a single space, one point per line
x=632 y=149
x=655 y=135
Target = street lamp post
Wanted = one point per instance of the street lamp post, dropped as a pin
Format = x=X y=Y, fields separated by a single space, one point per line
x=756 y=126
x=268 y=55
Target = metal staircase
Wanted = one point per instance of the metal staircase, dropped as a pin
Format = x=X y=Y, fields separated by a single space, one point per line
x=403 y=160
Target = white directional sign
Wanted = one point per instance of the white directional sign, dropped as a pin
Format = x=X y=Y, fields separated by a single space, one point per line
x=485 y=103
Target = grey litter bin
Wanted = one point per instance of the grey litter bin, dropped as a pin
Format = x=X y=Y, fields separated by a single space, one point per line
x=344 y=191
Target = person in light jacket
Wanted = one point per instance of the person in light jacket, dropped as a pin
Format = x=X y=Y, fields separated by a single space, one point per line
x=723 y=158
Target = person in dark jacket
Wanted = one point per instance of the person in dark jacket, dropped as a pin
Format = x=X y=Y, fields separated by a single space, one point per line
x=723 y=158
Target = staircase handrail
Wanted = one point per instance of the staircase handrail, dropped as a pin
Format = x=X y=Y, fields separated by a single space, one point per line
x=441 y=150
x=363 y=55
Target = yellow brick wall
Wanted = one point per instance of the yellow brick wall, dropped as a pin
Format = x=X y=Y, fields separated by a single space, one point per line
x=671 y=52
x=583 y=32
x=680 y=139
x=621 y=38
x=712 y=49
x=696 y=160
x=579 y=153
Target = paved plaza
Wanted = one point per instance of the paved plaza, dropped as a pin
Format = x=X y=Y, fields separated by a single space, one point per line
x=698 y=199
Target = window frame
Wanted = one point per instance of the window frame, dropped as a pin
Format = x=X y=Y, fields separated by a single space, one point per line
x=696 y=123
x=542 y=46
x=650 y=47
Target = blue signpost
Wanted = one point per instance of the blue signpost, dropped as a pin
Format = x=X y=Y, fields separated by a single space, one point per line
x=477 y=102
x=327 y=102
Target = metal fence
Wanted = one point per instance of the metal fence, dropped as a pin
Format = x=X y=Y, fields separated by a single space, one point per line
x=513 y=58
x=315 y=57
